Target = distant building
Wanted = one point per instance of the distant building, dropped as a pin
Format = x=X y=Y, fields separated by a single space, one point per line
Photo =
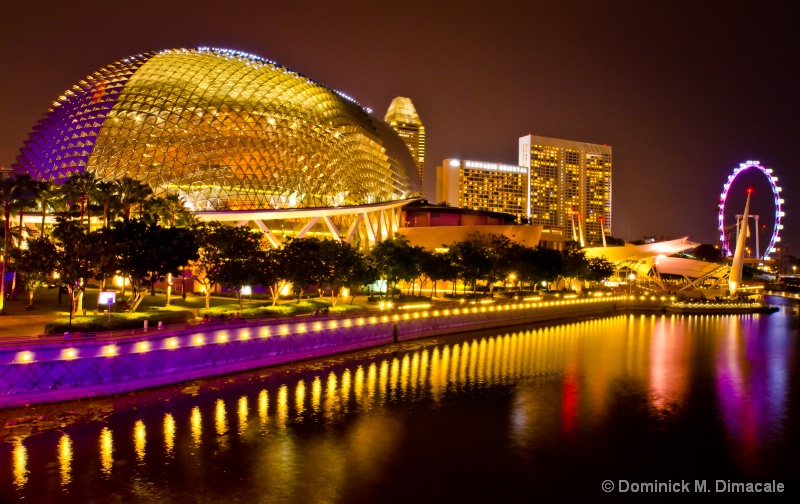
x=436 y=226
x=479 y=185
x=570 y=185
x=403 y=118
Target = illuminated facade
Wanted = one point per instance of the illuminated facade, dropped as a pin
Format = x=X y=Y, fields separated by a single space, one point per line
x=570 y=185
x=478 y=185
x=240 y=138
x=403 y=118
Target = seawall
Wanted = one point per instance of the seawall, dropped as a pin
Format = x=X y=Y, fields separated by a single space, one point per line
x=52 y=370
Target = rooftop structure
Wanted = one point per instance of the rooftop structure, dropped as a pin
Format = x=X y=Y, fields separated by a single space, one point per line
x=403 y=118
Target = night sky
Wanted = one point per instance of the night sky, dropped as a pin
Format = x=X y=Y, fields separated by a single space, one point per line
x=683 y=91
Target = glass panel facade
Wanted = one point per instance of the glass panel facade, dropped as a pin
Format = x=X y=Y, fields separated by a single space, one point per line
x=226 y=130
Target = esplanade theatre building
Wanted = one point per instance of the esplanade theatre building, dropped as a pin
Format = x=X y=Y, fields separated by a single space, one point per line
x=240 y=138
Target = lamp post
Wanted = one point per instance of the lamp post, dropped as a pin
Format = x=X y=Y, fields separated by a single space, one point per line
x=631 y=279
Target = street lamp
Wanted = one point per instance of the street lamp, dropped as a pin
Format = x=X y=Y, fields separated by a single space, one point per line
x=631 y=279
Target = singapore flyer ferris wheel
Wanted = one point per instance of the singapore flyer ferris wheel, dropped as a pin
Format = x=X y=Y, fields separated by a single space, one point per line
x=778 y=200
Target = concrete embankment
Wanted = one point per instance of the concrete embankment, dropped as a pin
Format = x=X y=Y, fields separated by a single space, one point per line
x=41 y=371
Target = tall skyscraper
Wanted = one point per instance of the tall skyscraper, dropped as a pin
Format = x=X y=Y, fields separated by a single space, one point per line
x=403 y=118
x=570 y=185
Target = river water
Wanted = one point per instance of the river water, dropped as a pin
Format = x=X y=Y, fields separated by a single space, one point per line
x=504 y=415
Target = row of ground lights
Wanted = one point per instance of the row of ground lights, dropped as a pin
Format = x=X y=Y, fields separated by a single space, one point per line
x=113 y=350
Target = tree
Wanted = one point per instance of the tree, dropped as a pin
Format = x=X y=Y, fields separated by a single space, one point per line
x=131 y=192
x=36 y=264
x=275 y=272
x=170 y=210
x=598 y=269
x=303 y=263
x=473 y=261
x=575 y=262
x=49 y=195
x=76 y=259
x=147 y=253
x=13 y=194
x=342 y=264
x=105 y=194
x=394 y=261
x=78 y=188
x=228 y=255
x=438 y=266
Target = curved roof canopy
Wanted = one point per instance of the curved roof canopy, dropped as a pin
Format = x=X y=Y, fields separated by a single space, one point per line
x=226 y=130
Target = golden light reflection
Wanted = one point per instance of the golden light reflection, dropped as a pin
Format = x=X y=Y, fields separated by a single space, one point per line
x=65 y=459
x=316 y=393
x=20 y=455
x=300 y=399
x=372 y=376
x=394 y=377
x=483 y=356
x=283 y=406
x=454 y=364
x=359 y=387
x=220 y=417
x=462 y=368
x=243 y=412
x=330 y=397
x=423 y=370
x=169 y=434
x=345 y=390
x=263 y=404
x=106 y=451
x=383 y=379
x=404 y=369
x=444 y=367
x=139 y=440
x=436 y=374
x=473 y=361
x=197 y=425
x=414 y=372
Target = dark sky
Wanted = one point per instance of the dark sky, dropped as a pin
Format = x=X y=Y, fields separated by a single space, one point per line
x=683 y=91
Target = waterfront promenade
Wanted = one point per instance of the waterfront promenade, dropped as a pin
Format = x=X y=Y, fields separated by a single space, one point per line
x=38 y=368
x=48 y=369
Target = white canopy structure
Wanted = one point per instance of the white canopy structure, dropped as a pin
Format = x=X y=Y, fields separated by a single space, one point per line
x=642 y=259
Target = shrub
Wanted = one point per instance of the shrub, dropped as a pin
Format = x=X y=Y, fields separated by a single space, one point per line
x=119 y=321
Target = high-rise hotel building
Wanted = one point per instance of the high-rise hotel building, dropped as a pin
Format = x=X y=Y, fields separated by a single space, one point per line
x=479 y=185
x=570 y=185
x=403 y=118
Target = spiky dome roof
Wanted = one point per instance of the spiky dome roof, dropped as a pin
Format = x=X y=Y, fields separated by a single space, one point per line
x=224 y=129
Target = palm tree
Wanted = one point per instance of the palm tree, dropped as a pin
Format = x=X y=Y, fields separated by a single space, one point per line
x=27 y=189
x=171 y=210
x=78 y=188
x=132 y=192
x=49 y=195
x=105 y=194
x=13 y=194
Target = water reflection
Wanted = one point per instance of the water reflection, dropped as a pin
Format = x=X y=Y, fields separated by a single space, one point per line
x=197 y=426
x=139 y=440
x=106 y=451
x=243 y=412
x=65 y=459
x=169 y=434
x=263 y=404
x=20 y=455
x=565 y=383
